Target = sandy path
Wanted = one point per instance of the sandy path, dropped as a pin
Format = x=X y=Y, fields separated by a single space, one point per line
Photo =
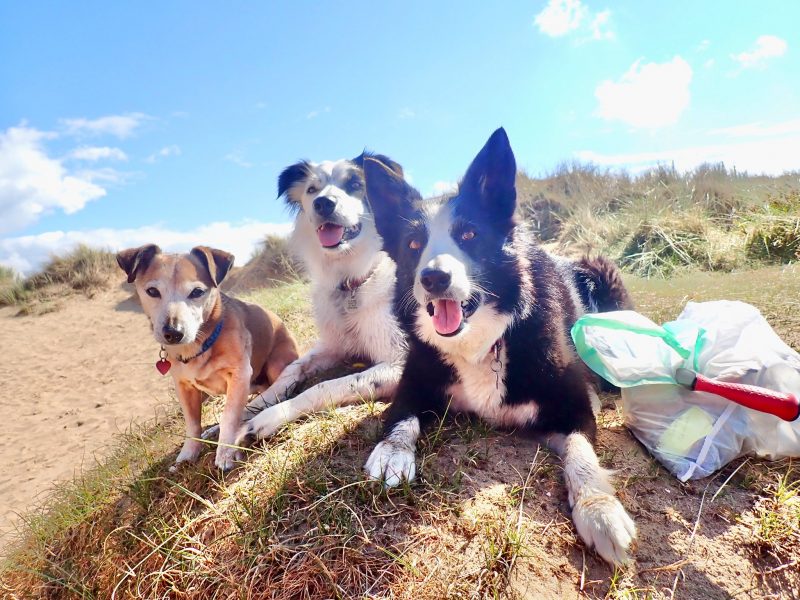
x=70 y=380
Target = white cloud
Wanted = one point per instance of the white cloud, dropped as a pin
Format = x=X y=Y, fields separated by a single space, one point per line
x=599 y=25
x=26 y=254
x=95 y=153
x=562 y=17
x=766 y=47
x=709 y=64
x=315 y=113
x=769 y=155
x=237 y=158
x=759 y=129
x=121 y=126
x=648 y=95
x=166 y=151
x=444 y=187
x=406 y=113
x=704 y=45
x=32 y=184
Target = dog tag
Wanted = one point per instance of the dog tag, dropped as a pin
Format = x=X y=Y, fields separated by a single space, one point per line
x=352 y=303
x=163 y=364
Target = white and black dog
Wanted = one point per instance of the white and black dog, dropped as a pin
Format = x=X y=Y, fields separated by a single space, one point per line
x=488 y=315
x=352 y=291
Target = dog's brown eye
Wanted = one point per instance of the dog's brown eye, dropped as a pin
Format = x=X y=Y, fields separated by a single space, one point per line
x=415 y=244
x=196 y=293
x=153 y=292
x=312 y=189
x=468 y=235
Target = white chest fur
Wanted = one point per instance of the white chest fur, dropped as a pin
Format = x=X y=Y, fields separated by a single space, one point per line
x=361 y=322
x=481 y=389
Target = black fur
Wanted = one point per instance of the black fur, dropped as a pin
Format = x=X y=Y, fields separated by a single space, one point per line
x=521 y=279
x=290 y=176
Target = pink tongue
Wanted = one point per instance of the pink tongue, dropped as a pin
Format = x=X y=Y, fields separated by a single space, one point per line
x=330 y=235
x=446 y=316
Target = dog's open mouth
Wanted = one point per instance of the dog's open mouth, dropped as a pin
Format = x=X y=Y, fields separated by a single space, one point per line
x=331 y=235
x=449 y=316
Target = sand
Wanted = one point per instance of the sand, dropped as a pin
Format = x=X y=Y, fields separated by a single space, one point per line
x=71 y=380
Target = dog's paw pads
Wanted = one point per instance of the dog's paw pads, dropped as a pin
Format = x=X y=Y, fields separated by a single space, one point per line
x=604 y=525
x=391 y=463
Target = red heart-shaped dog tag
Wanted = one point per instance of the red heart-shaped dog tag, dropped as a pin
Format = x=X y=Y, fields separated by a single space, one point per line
x=163 y=366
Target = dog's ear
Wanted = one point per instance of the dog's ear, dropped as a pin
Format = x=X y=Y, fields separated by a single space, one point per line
x=134 y=260
x=290 y=176
x=491 y=178
x=216 y=262
x=359 y=161
x=391 y=200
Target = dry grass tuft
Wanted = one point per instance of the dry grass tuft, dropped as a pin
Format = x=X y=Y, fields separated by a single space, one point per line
x=662 y=222
x=272 y=264
x=84 y=270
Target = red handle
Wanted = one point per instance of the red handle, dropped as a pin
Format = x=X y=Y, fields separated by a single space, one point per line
x=783 y=405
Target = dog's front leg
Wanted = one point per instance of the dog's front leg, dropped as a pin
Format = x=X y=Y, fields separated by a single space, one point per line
x=238 y=388
x=315 y=360
x=376 y=382
x=420 y=399
x=599 y=517
x=191 y=402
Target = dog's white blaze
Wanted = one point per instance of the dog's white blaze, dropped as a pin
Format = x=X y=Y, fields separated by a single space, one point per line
x=599 y=517
x=443 y=253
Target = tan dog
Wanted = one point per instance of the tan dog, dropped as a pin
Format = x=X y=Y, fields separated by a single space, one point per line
x=210 y=342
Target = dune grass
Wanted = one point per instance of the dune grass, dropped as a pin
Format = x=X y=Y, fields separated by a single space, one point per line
x=663 y=222
x=84 y=270
x=488 y=517
x=272 y=264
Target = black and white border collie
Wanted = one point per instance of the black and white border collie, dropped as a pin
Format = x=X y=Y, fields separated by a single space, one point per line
x=488 y=315
x=352 y=291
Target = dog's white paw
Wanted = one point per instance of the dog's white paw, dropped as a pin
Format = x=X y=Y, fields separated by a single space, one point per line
x=604 y=525
x=212 y=433
x=391 y=462
x=263 y=425
x=188 y=454
x=227 y=457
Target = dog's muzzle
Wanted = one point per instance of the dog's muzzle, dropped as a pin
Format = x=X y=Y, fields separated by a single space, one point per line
x=332 y=235
x=449 y=316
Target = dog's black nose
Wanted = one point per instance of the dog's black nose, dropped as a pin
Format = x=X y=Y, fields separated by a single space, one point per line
x=324 y=206
x=172 y=335
x=434 y=281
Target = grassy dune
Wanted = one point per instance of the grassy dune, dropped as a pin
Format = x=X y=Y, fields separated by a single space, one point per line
x=663 y=222
x=488 y=517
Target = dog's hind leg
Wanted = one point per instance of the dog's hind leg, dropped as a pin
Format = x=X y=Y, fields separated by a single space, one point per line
x=598 y=515
x=376 y=382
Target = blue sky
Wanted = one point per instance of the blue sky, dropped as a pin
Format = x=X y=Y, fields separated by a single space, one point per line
x=122 y=124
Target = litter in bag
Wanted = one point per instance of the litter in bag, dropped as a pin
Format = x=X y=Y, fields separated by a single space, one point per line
x=694 y=433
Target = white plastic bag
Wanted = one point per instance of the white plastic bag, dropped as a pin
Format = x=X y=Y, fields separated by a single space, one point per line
x=693 y=433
